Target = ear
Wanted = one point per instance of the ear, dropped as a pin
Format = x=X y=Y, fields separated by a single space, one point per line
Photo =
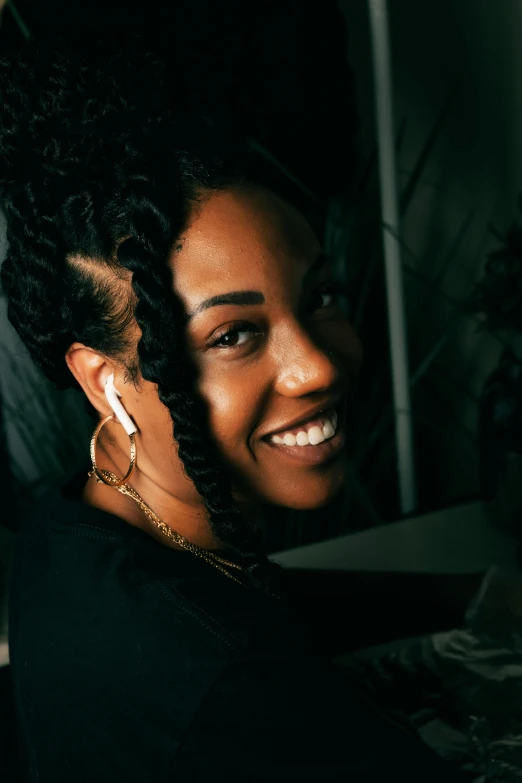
x=91 y=370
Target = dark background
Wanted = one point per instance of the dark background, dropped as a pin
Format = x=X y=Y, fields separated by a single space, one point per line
x=268 y=65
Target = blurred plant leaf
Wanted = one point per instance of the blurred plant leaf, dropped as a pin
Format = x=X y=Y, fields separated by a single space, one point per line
x=18 y=19
x=498 y=295
x=422 y=161
x=276 y=163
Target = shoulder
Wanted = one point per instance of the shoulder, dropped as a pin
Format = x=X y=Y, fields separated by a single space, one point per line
x=88 y=576
x=95 y=601
x=114 y=639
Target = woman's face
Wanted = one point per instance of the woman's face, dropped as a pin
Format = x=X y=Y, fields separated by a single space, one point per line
x=277 y=358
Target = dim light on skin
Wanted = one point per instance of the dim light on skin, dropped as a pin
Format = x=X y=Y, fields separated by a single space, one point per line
x=276 y=357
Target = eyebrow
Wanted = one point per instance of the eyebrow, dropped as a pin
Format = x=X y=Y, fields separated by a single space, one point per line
x=254 y=297
x=232 y=298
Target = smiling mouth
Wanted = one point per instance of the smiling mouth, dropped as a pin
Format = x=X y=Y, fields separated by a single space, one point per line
x=315 y=442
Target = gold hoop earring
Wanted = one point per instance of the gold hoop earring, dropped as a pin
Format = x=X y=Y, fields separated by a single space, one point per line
x=102 y=475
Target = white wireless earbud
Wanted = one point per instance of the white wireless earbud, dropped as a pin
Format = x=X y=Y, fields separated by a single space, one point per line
x=123 y=417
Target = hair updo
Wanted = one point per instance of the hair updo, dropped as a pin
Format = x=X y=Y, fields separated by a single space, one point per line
x=99 y=169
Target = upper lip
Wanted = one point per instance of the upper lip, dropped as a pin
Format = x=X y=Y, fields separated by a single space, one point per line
x=307 y=416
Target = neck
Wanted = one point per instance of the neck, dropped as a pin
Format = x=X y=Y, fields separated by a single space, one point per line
x=189 y=520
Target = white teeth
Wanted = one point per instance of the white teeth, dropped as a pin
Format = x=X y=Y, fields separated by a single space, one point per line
x=328 y=429
x=312 y=437
x=315 y=435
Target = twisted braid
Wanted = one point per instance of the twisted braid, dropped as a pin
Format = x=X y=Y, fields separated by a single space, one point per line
x=32 y=277
x=50 y=302
x=164 y=360
x=110 y=169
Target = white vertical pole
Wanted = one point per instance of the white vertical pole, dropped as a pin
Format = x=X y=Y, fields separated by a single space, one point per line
x=392 y=259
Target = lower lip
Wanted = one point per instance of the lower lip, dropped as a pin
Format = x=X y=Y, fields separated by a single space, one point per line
x=313 y=455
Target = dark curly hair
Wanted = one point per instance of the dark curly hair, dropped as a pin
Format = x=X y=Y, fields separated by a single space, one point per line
x=99 y=169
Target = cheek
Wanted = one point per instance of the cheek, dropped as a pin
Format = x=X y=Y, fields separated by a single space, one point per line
x=233 y=400
x=155 y=425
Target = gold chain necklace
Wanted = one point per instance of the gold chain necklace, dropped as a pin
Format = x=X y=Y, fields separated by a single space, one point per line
x=209 y=557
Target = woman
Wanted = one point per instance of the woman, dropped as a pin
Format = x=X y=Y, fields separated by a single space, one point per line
x=195 y=310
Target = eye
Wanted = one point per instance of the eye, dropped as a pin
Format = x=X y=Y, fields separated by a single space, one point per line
x=329 y=297
x=235 y=335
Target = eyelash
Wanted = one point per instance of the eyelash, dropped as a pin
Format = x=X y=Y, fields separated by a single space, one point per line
x=235 y=327
x=334 y=289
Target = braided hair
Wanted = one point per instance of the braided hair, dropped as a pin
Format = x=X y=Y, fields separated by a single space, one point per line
x=98 y=172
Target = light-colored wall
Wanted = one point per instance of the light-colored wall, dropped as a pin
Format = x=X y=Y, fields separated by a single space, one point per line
x=457 y=540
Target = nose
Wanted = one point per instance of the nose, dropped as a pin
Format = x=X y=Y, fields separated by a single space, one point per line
x=304 y=367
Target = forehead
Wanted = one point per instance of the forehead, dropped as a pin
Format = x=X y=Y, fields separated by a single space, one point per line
x=241 y=239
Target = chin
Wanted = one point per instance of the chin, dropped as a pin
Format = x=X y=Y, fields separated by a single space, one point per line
x=301 y=490
x=313 y=502
x=310 y=492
